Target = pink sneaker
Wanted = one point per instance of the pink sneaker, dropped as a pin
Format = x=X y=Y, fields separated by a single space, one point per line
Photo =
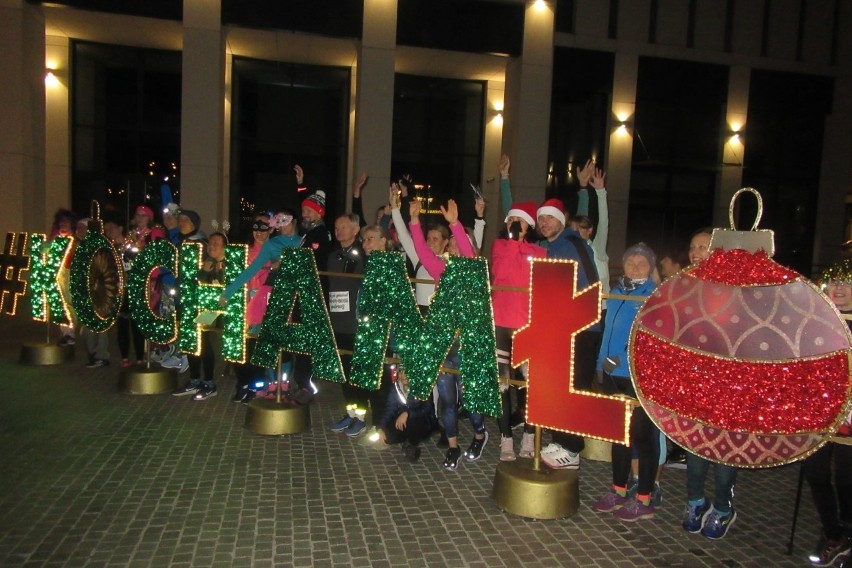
x=125 y=363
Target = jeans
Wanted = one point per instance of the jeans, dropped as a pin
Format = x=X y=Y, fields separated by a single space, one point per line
x=724 y=477
x=449 y=387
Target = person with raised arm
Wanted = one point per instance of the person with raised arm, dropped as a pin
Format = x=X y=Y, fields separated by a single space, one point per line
x=449 y=384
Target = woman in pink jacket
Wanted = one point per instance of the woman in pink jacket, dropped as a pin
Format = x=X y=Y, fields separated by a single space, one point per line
x=511 y=254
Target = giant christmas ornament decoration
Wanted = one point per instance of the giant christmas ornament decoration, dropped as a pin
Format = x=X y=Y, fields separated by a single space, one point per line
x=739 y=359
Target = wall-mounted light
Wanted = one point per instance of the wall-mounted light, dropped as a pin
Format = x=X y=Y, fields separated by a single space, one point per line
x=623 y=122
x=496 y=113
x=735 y=133
x=50 y=78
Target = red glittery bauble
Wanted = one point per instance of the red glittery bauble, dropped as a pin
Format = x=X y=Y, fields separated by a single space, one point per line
x=742 y=361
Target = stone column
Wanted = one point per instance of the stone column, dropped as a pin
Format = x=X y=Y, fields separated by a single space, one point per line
x=203 y=112
x=58 y=125
x=22 y=119
x=374 y=104
x=734 y=140
x=526 y=118
x=619 y=160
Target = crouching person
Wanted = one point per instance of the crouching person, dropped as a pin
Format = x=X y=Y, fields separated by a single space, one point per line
x=406 y=420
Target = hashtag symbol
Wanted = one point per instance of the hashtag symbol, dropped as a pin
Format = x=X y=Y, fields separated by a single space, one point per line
x=14 y=261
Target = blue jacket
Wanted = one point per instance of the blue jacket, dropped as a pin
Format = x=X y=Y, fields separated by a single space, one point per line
x=619 y=320
x=563 y=246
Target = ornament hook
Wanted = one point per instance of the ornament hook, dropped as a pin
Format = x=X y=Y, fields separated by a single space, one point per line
x=752 y=240
x=734 y=202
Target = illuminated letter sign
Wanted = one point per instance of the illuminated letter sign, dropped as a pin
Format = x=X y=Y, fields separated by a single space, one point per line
x=558 y=312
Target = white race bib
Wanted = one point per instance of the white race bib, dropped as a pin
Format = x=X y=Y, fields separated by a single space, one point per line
x=338 y=301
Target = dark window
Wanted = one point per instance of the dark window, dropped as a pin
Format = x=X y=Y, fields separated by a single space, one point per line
x=125 y=126
x=333 y=18
x=783 y=154
x=578 y=118
x=437 y=138
x=162 y=9
x=565 y=16
x=676 y=149
x=283 y=115
x=461 y=25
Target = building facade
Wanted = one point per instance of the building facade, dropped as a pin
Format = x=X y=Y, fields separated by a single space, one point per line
x=681 y=101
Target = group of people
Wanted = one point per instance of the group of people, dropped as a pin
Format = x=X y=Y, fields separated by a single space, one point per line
x=529 y=230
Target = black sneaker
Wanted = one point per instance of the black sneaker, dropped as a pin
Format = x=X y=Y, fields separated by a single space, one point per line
x=192 y=387
x=242 y=393
x=205 y=392
x=828 y=550
x=451 y=461
x=249 y=396
x=474 y=451
x=97 y=364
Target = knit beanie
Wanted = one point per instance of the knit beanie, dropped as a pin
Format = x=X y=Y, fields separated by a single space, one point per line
x=193 y=216
x=525 y=210
x=641 y=249
x=316 y=202
x=554 y=208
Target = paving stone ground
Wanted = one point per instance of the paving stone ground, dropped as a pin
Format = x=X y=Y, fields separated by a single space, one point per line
x=93 y=477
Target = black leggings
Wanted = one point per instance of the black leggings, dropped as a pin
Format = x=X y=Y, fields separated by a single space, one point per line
x=643 y=439
x=204 y=363
x=127 y=328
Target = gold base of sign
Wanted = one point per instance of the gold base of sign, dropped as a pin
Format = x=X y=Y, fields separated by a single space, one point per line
x=142 y=380
x=597 y=450
x=271 y=418
x=536 y=494
x=46 y=354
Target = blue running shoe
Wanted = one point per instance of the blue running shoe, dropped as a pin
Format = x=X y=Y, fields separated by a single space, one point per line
x=716 y=524
x=695 y=516
x=342 y=424
x=357 y=427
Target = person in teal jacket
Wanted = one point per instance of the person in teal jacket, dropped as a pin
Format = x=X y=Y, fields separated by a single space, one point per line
x=613 y=368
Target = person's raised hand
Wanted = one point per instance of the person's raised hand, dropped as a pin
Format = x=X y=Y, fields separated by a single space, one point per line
x=359 y=185
x=479 y=206
x=451 y=212
x=393 y=197
x=405 y=184
x=599 y=179
x=585 y=173
x=504 y=164
x=300 y=174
